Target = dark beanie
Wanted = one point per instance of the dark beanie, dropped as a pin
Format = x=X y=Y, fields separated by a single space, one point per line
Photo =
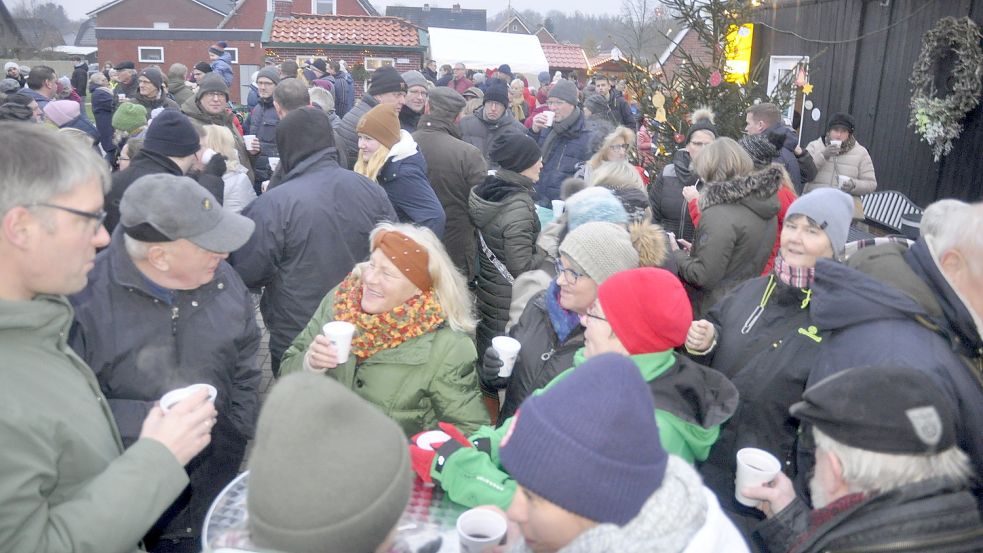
x=702 y=121
x=212 y=82
x=841 y=120
x=320 y=65
x=596 y=103
x=646 y=323
x=328 y=471
x=124 y=65
x=504 y=68
x=270 y=72
x=589 y=443
x=154 y=76
x=386 y=79
x=760 y=148
x=497 y=92
x=514 y=151
x=218 y=49
x=171 y=134
x=203 y=66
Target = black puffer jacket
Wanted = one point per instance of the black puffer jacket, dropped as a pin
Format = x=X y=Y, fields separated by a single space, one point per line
x=735 y=237
x=480 y=132
x=543 y=355
x=666 y=196
x=504 y=214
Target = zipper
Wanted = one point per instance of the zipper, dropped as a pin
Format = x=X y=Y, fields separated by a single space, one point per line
x=914 y=544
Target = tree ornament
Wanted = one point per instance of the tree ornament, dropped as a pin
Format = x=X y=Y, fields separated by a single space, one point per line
x=715 y=79
x=679 y=138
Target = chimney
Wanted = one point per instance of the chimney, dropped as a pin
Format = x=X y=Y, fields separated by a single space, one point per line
x=282 y=8
x=426 y=7
x=456 y=8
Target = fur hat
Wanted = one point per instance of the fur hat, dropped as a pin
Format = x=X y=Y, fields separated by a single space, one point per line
x=380 y=123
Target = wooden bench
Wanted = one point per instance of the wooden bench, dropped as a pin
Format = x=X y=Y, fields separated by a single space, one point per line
x=885 y=208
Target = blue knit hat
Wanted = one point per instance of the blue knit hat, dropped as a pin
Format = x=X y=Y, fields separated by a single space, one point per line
x=594 y=203
x=831 y=209
x=589 y=443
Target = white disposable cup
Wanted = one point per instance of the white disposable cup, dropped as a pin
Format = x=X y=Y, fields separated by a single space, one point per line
x=121 y=97
x=549 y=117
x=557 y=207
x=250 y=140
x=174 y=397
x=508 y=349
x=274 y=163
x=754 y=468
x=480 y=530
x=427 y=439
x=843 y=180
x=340 y=333
x=836 y=143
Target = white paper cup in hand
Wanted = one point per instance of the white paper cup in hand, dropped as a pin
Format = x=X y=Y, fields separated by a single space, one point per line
x=549 y=118
x=842 y=180
x=557 y=207
x=274 y=162
x=250 y=140
x=508 y=349
x=340 y=333
x=480 y=530
x=174 y=397
x=754 y=468
x=836 y=143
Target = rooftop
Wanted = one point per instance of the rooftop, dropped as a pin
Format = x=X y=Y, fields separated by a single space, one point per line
x=357 y=30
x=566 y=56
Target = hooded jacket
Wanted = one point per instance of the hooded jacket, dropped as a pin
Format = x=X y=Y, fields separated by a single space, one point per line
x=80 y=78
x=404 y=178
x=891 y=306
x=223 y=66
x=786 y=156
x=63 y=469
x=737 y=230
x=480 y=132
x=693 y=402
x=666 y=196
x=179 y=90
x=349 y=122
x=454 y=167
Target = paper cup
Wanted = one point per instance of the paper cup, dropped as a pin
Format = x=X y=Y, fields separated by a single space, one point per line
x=121 y=97
x=428 y=439
x=557 y=207
x=549 y=117
x=174 y=397
x=274 y=163
x=250 y=140
x=842 y=180
x=836 y=143
x=754 y=468
x=340 y=333
x=508 y=349
x=480 y=530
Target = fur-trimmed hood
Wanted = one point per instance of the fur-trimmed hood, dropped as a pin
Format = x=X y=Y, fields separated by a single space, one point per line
x=757 y=191
x=650 y=241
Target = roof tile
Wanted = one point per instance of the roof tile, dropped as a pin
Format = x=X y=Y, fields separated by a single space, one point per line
x=345 y=29
x=567 y=56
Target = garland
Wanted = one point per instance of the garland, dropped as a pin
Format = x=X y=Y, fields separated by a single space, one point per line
x=939 y=119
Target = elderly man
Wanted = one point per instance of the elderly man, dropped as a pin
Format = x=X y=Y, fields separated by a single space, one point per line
x=460 y=82
x=66 y=481
x=210 y=106
x=889 y=471
x=159 y=287
x=916 y=307
x=417 y=92
x=127 y=79
x=385 y=87
x=41 y=85
x=262 y=122
x=565 y=143
x=494 y=118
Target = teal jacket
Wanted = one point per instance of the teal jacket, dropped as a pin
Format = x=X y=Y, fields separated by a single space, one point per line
x=693 y=402
x=423 y=381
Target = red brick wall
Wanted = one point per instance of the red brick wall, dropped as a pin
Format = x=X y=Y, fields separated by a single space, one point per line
x=251 y=15
x=143 y=13
x=351 y=57
x=691 y=45
x=283 y=8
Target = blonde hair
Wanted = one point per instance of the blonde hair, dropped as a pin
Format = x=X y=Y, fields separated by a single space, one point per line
x=372 y=167
x=617 y=174
x=449 y=285
x=622 y=132
x=722 y=160
x=221 y=140
x=786 y=180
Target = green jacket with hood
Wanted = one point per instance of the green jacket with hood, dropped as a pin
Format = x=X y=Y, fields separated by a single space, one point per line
x=66 y=484
x=693 y=402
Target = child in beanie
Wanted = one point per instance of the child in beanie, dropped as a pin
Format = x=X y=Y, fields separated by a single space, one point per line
x=221 y=61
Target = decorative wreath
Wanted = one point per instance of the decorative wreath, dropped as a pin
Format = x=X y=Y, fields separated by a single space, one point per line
x=939 y=119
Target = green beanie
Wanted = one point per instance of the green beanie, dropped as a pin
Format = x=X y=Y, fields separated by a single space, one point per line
x=129 y=117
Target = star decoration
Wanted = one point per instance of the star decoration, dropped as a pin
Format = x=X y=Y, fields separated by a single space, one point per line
x=807 y=88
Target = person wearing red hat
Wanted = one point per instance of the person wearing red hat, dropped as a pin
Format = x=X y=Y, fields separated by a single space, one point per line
x=693 y=400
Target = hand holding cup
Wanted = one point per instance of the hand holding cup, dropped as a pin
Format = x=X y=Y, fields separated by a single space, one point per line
x=186 y=428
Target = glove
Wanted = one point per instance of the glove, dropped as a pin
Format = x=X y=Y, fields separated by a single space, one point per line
x=215 y=166
x=422 y=459
x=847 y=185
x=491 y=363
x=831 y=150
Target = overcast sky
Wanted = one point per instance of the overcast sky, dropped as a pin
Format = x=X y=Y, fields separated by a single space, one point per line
x=77 y=9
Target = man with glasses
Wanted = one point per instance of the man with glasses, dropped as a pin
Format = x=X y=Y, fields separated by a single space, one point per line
x=66 y=481
x=417 y=93
x=493 y=119
x=460 y=82
x=565 y=141
x=262 y=123
x=160 y=286
x=210 y=106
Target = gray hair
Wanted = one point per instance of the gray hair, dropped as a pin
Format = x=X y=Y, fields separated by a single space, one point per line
x=321 y=97
x=617 y=174
x=951 y=224
x=868 y=471
x=99 y=79
x=177 y=71
x=136 y=249
x=291 y=94
x=40 y=163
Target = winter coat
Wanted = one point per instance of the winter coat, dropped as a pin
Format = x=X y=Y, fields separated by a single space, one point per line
x=892 y=306
x=423 y=381
x=543 y=354
x=404 y=178
x=142 y=342
x=929 y=516
x=693 y=401
x=622 y=111
x=503 y=214
x=262 y=122
x=786 y=157
x=223 y=67
x=569 y=149
x=454 y=167
x=41 y=99
x=309 y=234
x=86 y=126
x=103 y=107
x=480 y=132
x=855 y=163
x=349 y=122
x=162 y=101
x=344 y=93
x=409 y=119
x=680 y=516
x=80 y=78
x=192 y=109
x=734 y=238
x=179 y=90
x=666 y=196
x=238 y=190
x=66 y=483
x=769 y=365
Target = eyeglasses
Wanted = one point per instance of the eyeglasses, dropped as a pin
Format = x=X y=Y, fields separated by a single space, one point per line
x=214 y=95
x=568 y=274
x=422 y=93
x=98 y=216
x=590 y=315
x=555 y=103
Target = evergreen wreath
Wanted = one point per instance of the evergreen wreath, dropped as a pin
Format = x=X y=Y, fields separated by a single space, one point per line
x=939 y=119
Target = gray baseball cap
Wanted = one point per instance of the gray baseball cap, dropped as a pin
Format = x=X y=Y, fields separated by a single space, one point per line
x=166 y=208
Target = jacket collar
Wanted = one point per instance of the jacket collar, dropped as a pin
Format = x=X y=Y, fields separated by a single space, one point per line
x=760 y=185
x=429 y=123
x=154 y=160
x=327 y=155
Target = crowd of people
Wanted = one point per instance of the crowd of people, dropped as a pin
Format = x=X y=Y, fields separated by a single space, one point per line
x=666 y=321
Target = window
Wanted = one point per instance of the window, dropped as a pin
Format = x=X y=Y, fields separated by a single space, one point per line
x=150 y=54
x=324 y=7
x=234 y=52
x=161 y=25
x=371 y=64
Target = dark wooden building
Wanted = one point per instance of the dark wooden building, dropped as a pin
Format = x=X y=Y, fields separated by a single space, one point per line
x=869 y=79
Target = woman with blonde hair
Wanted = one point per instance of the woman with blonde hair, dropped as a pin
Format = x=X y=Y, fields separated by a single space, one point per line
x=617 y=146
x=239 y=190
x=412 y=353
x=517 y=100
x=389 y=156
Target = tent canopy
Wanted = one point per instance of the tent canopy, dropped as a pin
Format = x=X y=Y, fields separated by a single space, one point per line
x=483 y=49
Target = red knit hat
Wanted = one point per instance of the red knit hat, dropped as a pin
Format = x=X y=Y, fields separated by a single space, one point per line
x=647 y=308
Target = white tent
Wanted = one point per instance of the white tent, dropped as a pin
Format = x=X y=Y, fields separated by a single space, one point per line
x=482 y=49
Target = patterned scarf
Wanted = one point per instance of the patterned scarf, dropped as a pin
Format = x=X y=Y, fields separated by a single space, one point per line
x=418 y=316
x=564 y=321
x=796 y=277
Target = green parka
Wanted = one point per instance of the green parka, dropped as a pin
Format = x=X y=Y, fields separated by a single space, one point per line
x=424 y=380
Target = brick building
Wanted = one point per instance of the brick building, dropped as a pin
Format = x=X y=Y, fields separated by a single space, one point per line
x=685 y=41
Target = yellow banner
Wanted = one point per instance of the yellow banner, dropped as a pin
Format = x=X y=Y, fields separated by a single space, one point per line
x=737 y=53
